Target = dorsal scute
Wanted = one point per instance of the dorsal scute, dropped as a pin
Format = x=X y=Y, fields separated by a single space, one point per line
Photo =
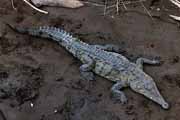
x=56 y=30
x=66 y=33
x=44 y=28
x=41 y=27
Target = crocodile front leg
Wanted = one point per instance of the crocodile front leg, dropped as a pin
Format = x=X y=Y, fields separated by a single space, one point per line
x=113 y=48
x=141 y=61
x=86 y=68
x=117 y=93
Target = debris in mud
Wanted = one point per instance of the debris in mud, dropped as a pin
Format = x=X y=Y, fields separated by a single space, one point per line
x=63 y=3
x=60 y=79
x=130 y=110
x=37 y=9
x=175 y=59
x=177 y=3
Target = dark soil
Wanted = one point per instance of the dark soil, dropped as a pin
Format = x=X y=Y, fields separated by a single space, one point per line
x=39 y=80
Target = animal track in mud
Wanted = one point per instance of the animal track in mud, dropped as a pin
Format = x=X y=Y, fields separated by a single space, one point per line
x=80 y=107
x=173 y=79
x=21 y=82
x=6 y=46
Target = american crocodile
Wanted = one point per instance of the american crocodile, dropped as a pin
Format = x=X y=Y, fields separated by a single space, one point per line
x=106 y=62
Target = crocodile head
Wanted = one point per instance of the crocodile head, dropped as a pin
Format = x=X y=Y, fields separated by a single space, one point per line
x=148 y=88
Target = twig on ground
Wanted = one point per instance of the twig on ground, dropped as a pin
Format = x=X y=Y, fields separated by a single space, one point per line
x=95 y=4
x=37 y=9
x=110 y=8
x=105 y=7
x=124 y=5
x=12 y=4
x=177 y=3
x=146 y=10
x=63 y=3
x=117 y=6
x=175 y=17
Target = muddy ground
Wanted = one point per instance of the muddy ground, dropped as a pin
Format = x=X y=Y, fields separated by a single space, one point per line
x=39 y=80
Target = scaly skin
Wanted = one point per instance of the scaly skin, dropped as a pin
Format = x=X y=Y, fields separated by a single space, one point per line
x=102 y=61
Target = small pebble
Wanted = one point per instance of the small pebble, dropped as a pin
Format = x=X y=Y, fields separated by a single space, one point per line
x=32 y=105
x=55 y=111
x=158 y=9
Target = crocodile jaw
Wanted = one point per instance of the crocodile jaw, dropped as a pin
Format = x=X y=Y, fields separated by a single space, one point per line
x=155 y=96
x=149 y=89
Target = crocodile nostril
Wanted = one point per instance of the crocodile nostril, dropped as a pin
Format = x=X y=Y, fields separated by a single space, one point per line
x=165 y=105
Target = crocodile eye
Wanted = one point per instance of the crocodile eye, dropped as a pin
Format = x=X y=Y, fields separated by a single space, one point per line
x=148 y=86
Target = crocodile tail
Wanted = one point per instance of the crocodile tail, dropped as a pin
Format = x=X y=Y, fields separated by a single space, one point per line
x=35 y=31
x=21 y=29
x=54 y=33
x=17 y=29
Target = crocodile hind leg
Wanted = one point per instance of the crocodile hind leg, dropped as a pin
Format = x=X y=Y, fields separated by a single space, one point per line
x=86 y=68
x=113 y=48
x=141 y=61
x=117 y=93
